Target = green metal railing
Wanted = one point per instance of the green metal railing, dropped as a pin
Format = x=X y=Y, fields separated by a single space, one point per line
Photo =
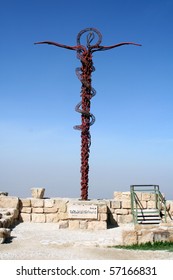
x=160 y=201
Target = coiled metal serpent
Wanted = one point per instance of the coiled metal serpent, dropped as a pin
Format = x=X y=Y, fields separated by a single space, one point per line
x=84 y=54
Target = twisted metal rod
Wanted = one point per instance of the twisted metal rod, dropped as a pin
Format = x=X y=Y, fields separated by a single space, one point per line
x=84 y=54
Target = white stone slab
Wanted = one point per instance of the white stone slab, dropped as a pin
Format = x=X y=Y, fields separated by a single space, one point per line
x=82 y=211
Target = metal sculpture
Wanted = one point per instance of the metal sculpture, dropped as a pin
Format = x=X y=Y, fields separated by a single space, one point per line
x=84 y=54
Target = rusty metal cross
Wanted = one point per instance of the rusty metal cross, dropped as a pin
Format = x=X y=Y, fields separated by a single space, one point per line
x=84 y=54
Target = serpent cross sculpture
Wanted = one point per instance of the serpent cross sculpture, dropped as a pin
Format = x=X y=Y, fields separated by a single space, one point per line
x=84 y=54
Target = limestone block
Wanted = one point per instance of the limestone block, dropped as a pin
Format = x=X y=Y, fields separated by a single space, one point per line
x=115 y=204
x=153 y=196
x=74 y=224
x=63 y=224
x=4 y=234
x=139 y=195
x=37 y=192
x=170 y=205
x=97 y=225
x=37 y=210
x=126 y=196
x=151 y=204
x=126 y=204
x=129 y=237
x=108 y=203
x=52 y=218
x=9 y=202
x=118 y=196
x=48 y=203
x=24 y=217
x=61 y=205
x=171 y=235
x=145 y=236
x=161 y=235
x=102 y=208
x=146 y=196
x=63 y=216
x=38 y=218
x=24 y=202
x=50 y=210
x=142 y=204
x=128 y=218
x=83 y=224
x=26 y=210
x=35 y=202
x=121 y=211
x=102 y=216
x=122 y=219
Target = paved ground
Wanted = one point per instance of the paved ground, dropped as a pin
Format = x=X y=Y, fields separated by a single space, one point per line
x=45 y=241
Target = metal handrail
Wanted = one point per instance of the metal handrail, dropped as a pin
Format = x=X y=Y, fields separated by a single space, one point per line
x=135 y=202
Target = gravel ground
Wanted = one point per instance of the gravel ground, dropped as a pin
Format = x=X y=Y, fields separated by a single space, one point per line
x=33 y=241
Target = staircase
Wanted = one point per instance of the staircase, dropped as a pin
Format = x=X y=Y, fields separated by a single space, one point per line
x=143 y=215
x=148 y=216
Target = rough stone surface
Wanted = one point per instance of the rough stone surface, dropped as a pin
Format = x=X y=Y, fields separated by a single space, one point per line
x=118 y=196
x=41 y=218
x=145 y=236
x=4 y=234
x=25 y=202
x=121 y=211
x=37 y=202
x=9 y=202
x=102 y=216
x=27 y=210
x=83 y=224
x=52 y=218
x=73 y=224
x=37 y=192
x=97 y=225
x=129 y=237
x=37 y=210
x=63 y=224
x=126 y=204
x=50 y=210
x=102 y=208
x=49 y=203
x=24 y=217
x=115 y=204
x=65 y=244
x=151 y=204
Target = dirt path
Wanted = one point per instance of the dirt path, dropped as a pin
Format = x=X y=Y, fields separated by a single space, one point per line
x=47 y=242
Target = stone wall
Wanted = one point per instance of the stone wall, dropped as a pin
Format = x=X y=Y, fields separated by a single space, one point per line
x=69 y=213
x=74 y=213
x=9 y=211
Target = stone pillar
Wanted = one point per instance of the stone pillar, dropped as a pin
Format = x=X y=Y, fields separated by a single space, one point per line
x=37 y=192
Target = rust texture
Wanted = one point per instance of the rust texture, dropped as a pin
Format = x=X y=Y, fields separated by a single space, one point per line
x=84 y=54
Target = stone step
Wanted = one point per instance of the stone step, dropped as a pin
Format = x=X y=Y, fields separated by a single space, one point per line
x=149 y=222
x=148 y=216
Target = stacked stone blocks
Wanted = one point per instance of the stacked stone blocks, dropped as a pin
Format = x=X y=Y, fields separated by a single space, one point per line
x=55 y=210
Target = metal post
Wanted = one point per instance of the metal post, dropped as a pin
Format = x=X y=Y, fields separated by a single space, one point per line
x=84 y=53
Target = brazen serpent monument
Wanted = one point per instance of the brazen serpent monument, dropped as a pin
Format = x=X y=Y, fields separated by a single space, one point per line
x=84 y=53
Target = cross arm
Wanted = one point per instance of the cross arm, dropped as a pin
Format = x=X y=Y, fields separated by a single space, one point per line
x=74 y=48
x=105 y=48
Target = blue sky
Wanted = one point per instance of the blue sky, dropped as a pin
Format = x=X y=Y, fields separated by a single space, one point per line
x=132 y=138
